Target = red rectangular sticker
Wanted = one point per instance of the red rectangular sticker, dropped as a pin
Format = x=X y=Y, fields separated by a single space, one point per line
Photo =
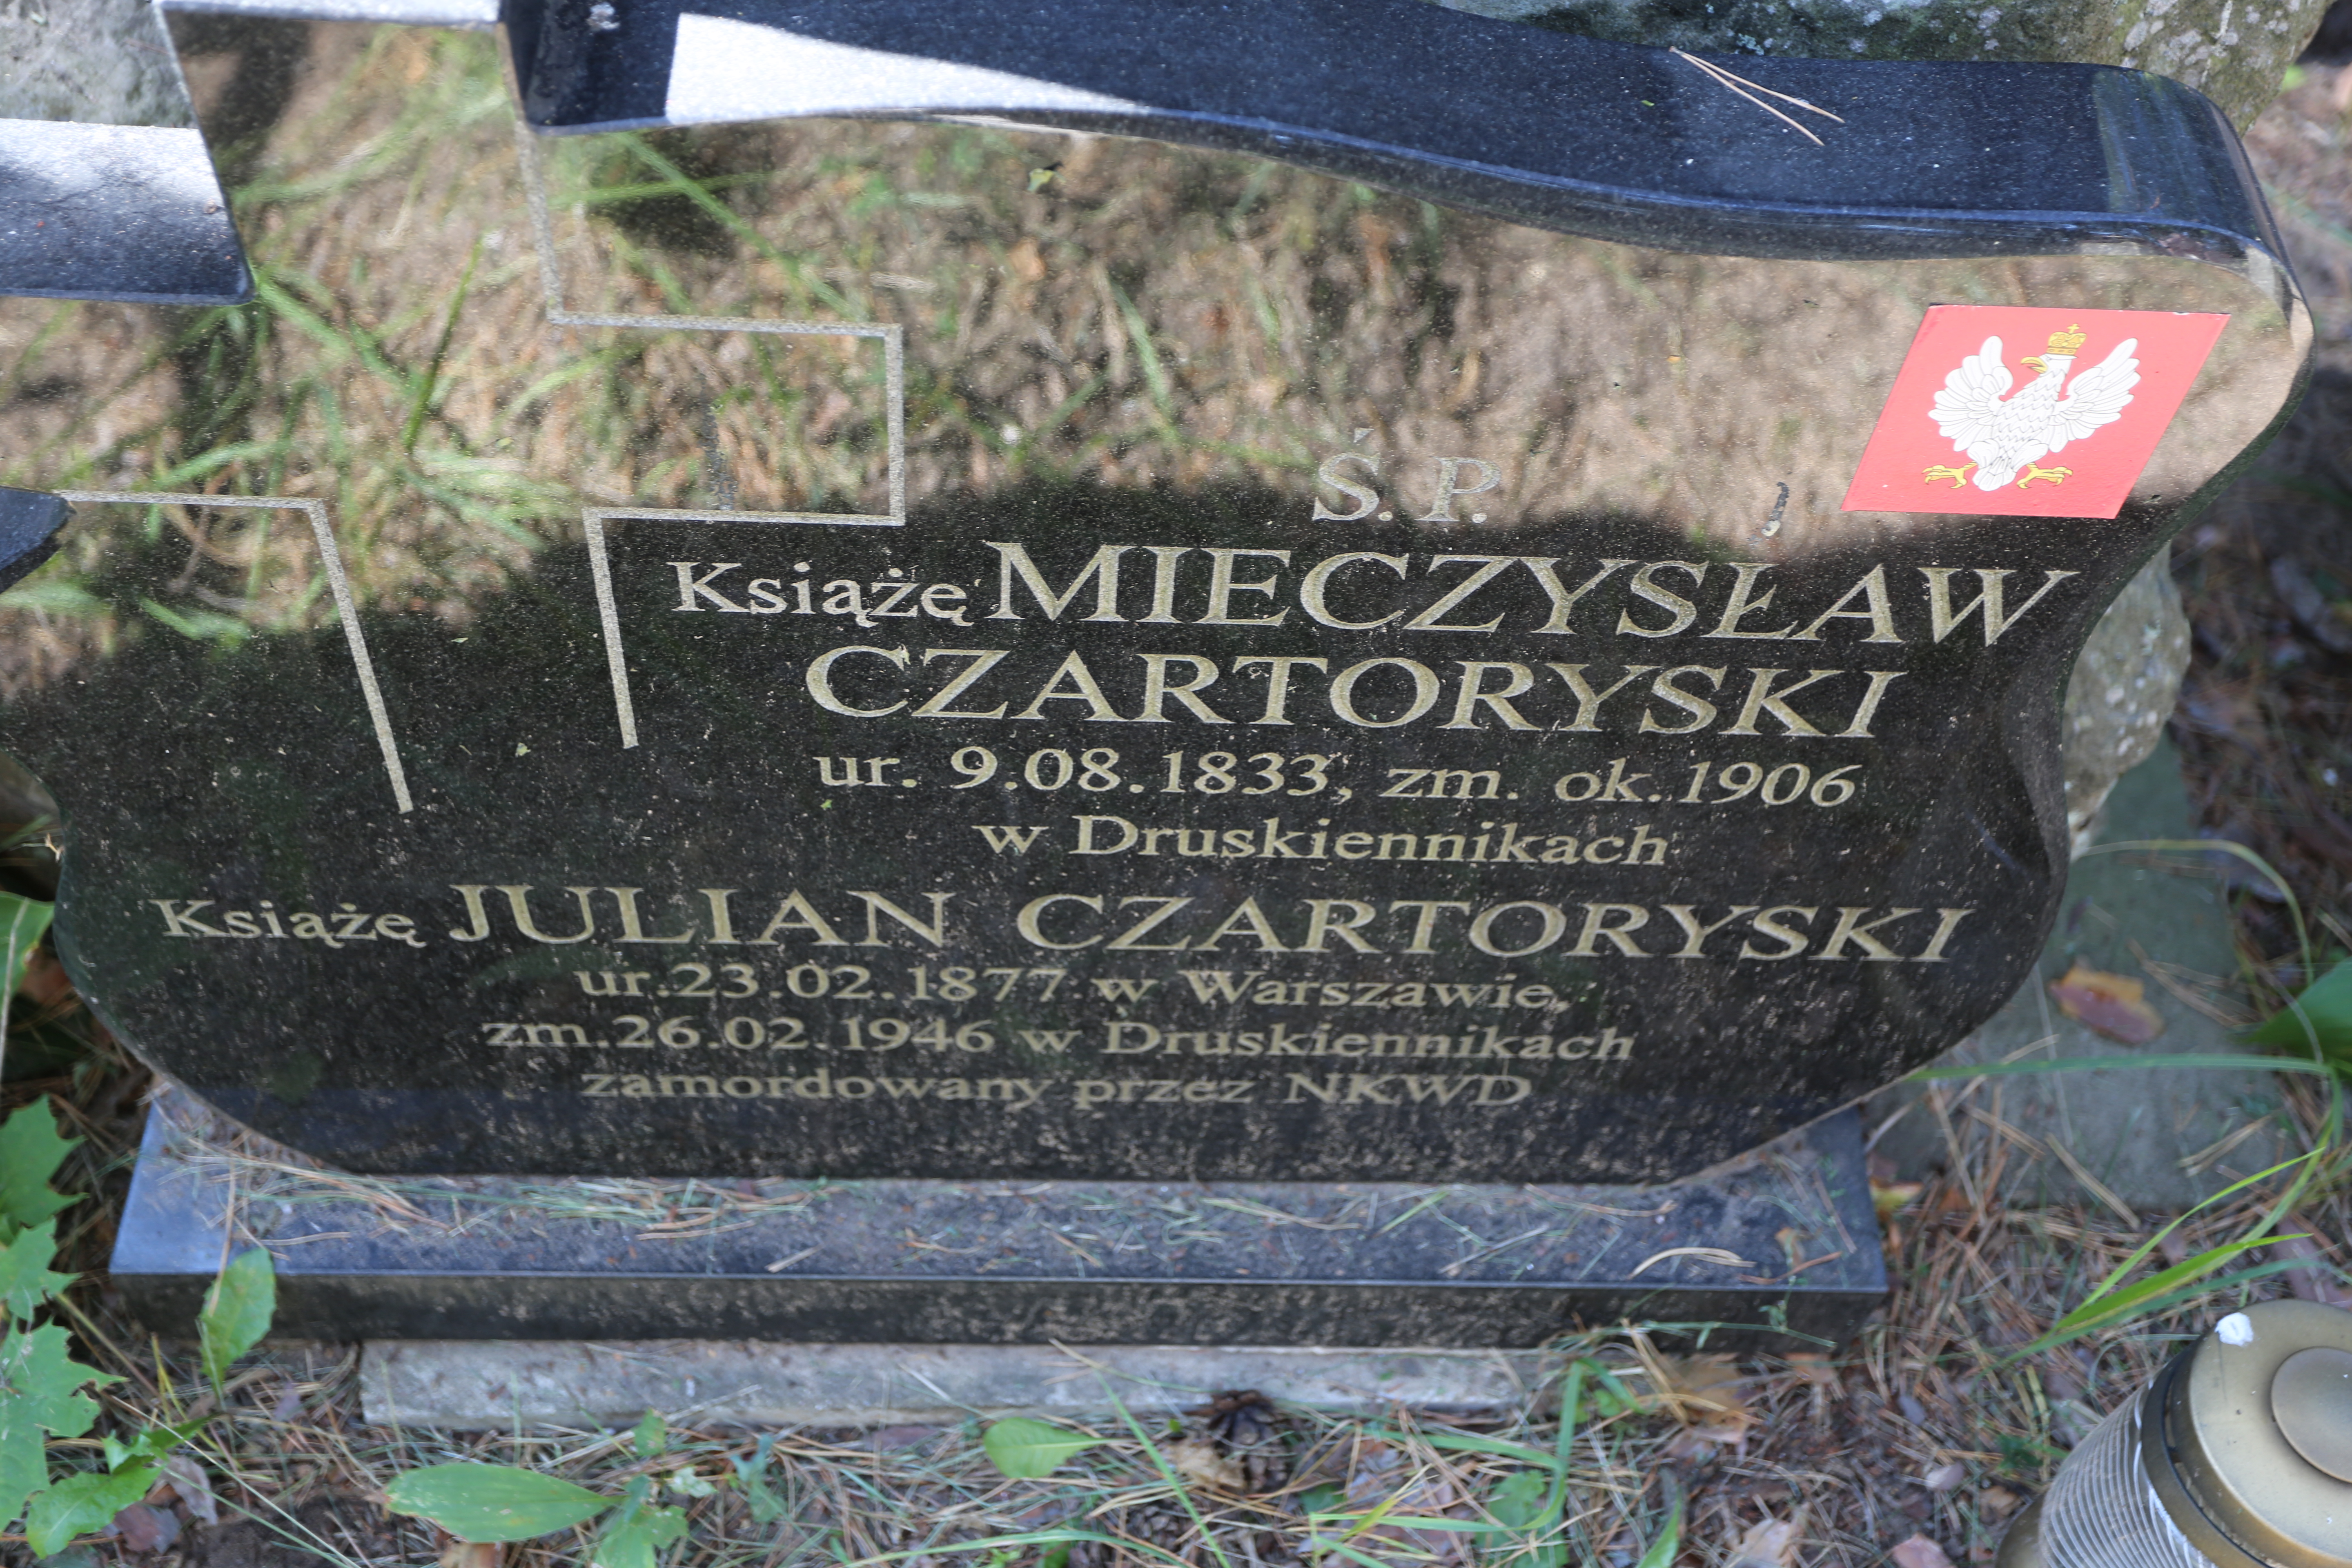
x=2018 y=411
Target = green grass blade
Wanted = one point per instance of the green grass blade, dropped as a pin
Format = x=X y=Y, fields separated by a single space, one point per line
x=1031 y=1538
x=1454 y=1441
x=1168 y=1474
x=2117 y=1314
x=2139 y=1254
x=1320 y=1543
x=2156 y=1284
x=422 y=403
x=1155 y=374
x=1663 y=1551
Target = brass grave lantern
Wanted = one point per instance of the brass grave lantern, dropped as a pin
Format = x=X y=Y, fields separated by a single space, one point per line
x=2237 y=1456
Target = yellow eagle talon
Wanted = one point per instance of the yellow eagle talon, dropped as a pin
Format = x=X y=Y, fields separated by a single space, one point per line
x=2055 y=475
x=1959 y=475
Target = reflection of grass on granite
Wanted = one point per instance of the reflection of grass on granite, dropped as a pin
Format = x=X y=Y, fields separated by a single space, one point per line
x=1075 y=308
x=1482 y=1232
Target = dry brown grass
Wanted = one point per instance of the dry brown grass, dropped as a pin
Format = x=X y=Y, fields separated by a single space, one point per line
x=1924 y=1425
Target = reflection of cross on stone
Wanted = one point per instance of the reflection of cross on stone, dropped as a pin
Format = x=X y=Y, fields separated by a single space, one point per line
x=594 y=518
x=721 y=483
x=331 y=562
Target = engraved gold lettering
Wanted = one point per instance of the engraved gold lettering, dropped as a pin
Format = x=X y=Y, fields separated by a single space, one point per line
x=1102 y=568
x=1082 y=688
x=796 y=913
x=1768 y=923
x=1701 y=711
x=1740 y=605
x=1247 y=920
x=878 y=906
x=1312 y=588
x=1222 y=587
x=1943 y=620
x=1364 y=495
x=1489 y=568
x=1762 y=700
x=1645 y=586
x=633 y=925
x=1424 y=923
x=519 y=905
x=1934 y=952
x=1851 y=928
x=691 y=587
x=1694 y=934
x=1878 y=609
x=1343 y=692
x=1277 y=682
x=1588 y=701
x=1321 y=923
x=1157 y=688
x=984 y=659
x=1450 y=488
x=1597 y=925
x=819 y=681
x=1563 y=600
x=1472 y=694
x=1029 y=922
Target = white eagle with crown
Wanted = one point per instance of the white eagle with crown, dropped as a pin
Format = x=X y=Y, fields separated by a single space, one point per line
x=2005 y=437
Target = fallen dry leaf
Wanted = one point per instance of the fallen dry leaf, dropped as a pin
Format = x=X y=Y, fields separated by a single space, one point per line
x=1997 y=1503
x=1703 y=1390
x=2311 y=1277
x=45 y=984
x=1770 y=1544
x=883 y=1439
x=1891 y=1199
x=469 y=1554
x=1701 y=1444
x=1944 y=1478
x=194 y=1492
x=142 y=1528
x=1920 y=1553
x=1820 y=1381
x=1197 y=1459
x=2107 y=1004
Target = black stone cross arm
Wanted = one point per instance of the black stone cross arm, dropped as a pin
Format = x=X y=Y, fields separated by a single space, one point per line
x=1644 y=146
x=1276 y=590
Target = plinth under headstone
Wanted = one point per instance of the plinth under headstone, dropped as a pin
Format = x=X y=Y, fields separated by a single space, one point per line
x=1781 y=1249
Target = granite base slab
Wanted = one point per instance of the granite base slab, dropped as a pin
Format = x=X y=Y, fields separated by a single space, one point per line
x=2150 y=1139
x=1779 y=1247
x=469 y=1385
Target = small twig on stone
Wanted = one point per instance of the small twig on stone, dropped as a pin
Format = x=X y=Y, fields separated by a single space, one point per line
x=1740 y=85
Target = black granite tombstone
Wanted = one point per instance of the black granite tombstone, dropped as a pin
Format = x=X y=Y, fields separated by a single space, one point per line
x=1291 y=591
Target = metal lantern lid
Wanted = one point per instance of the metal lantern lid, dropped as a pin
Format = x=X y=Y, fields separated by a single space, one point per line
x=2253 y=1453
x=2237 y=1456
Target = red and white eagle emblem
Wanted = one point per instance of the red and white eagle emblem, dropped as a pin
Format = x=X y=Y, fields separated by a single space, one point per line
x=1958 y=433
